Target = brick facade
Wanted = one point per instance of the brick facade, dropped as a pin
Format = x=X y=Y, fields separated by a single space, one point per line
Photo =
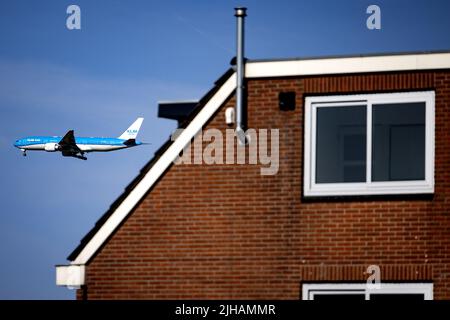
x=226 y=232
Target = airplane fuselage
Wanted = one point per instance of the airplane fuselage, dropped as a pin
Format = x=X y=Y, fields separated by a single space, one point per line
x=85 y=144
x=71 y=146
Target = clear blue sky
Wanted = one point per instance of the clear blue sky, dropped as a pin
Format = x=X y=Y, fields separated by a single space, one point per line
x=127 y=56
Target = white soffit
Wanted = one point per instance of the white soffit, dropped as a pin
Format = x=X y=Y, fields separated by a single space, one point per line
x=426 y=61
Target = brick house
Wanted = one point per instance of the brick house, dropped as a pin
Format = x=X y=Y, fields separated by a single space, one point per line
x=362 y=184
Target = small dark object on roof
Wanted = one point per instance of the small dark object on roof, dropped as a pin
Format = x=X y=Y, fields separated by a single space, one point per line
x=176 y=110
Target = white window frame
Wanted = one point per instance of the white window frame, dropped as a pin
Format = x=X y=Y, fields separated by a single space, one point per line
x=313 y=189
x=310 y=290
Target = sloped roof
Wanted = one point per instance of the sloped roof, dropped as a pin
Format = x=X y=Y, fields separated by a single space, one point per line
x=211 y=102
x=100 y=222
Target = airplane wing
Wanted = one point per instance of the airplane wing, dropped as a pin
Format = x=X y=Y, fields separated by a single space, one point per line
x=68 y=145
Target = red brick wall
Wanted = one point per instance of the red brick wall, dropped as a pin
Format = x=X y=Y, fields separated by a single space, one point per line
x=225 y=231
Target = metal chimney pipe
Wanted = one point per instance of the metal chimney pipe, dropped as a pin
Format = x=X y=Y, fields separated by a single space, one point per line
x=240 y=14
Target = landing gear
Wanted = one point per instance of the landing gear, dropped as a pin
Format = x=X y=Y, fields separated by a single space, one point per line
x=24 y=152
x=82 y=157
x=78 y=155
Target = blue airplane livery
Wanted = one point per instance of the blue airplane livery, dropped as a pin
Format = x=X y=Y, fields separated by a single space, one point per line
x=70 y=146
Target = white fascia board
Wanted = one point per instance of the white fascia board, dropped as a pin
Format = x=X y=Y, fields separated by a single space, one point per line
x=156 y=171
x=426 y=61
x=70 y=275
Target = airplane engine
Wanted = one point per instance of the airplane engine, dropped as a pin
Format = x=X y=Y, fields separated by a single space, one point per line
x=51 y=147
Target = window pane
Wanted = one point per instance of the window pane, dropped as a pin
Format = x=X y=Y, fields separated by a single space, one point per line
x=398 y=148
x=341 y=144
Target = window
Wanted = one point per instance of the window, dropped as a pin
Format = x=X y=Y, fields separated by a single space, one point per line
x=371 y=144
x=361 y=291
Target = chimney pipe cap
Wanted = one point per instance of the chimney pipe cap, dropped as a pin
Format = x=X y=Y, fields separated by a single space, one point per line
x=240 y=12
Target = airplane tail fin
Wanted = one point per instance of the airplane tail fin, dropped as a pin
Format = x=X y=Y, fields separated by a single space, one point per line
x=133 y=130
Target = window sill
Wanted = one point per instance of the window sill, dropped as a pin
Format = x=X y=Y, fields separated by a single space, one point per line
x=374 y=188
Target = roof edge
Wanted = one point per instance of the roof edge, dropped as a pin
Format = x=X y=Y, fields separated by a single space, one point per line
x=341 y=56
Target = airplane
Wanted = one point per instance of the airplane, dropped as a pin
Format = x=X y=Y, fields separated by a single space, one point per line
x=71 y=146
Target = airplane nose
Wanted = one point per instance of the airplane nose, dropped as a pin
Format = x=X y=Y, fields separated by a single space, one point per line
x=16 y=144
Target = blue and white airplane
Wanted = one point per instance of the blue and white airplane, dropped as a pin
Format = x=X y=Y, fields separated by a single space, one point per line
x=70 y=146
